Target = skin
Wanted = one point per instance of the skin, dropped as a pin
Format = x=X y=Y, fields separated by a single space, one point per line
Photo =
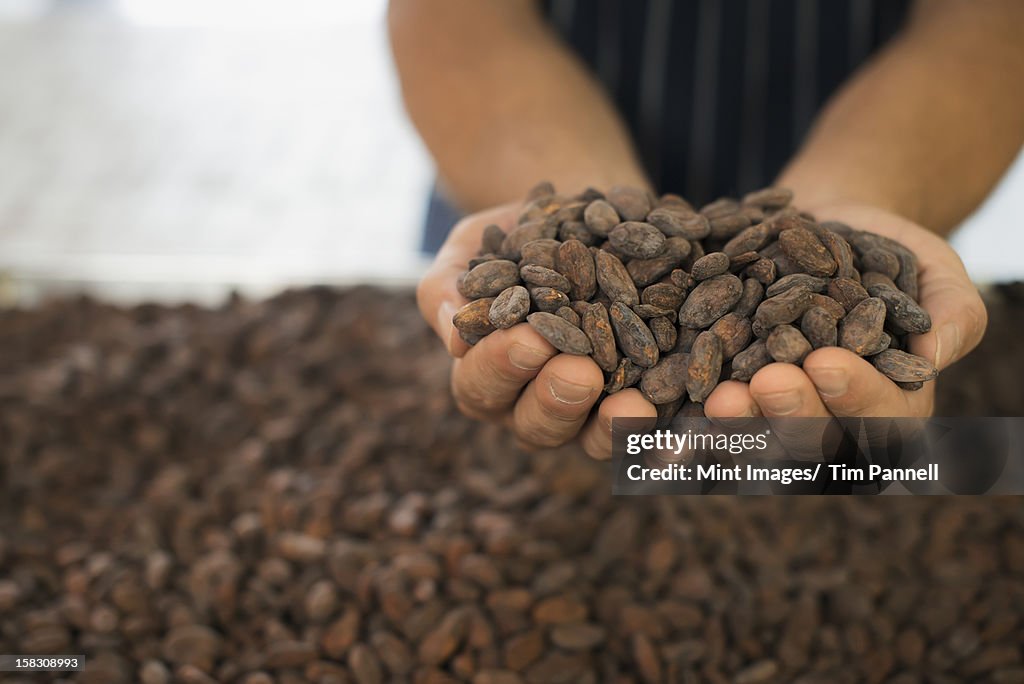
x=528 y=110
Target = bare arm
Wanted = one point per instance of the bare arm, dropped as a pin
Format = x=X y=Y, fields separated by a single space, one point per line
x=502 y=104
x=928 y=127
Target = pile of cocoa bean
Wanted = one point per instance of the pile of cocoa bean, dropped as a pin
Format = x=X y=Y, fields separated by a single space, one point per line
x=674 y=299
x=283 y=491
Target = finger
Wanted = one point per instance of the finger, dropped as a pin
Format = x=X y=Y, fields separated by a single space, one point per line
x=492 y=374
x=731 y=399
x=959 y=317
x=596 y=437
x=556 y=403
x=782 y=389
x=851 y=386
x=437 y=295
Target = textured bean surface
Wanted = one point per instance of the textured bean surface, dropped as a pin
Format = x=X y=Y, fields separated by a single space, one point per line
x=562 y=335
x=742 y=269
x=179 y=483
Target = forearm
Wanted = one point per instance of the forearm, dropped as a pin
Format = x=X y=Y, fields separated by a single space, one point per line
x=502 y=104
x=929 y=127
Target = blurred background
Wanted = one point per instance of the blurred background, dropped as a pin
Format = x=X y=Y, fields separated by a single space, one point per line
x=174 y=150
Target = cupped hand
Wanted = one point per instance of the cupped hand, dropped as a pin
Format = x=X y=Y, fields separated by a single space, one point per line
x=837 y=382
x=514 y=376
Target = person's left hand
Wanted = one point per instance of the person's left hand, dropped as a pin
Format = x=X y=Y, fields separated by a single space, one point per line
x=837 y=382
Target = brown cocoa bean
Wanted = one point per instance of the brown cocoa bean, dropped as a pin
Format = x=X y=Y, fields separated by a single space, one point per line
x=614 y=280
x=762 y=270
x=840 y=250
x=510 y=307
x=537 y=229
x=704 y=366
x=548 y=299
x=750 y=298
x=820 y=327
x=664 y=295
x=540 y=252
x=634 y=338
x=769 y=198
x=600 y=217
x=646 y=311
x=540 y=276
x=576 y=263
x=493 y=237
x=728 y=226
x=632 y=204
x=474 y=317
x=643 y=272
x=666 y=381
x=710 y=300
x=750 y=360
x=626 y=374
x=806 y=250
x=734 y=332
x=562 y=335
x=847 y=292
x=664 y=332
x=679 y=222
x=786 y=344
x=782 y=308
x=598 y=329
x=808 y=282
x=900 y=366
x=569 y=316
x=882 y=261
x=748 y=240
x=901 y=309
x=828 y=304
x=576 y=230
x=723 y=206
x=709 y=266
x=861 y=329
x=489 y=278
x=637 y=240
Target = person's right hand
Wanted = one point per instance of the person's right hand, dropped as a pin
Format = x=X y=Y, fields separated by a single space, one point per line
x=514 y=376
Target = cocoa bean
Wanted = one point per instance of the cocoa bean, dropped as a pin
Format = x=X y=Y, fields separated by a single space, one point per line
x=679 y=222
x=783 y=308
x=861 y=329
x=537 y=229
x=541 y=253
x=598 y=329
x=710 y=300
x=901 y=309
x=600 y=217
x=882 y=261
x=489 y=278
x=748 y=240
x=509 y=308
x=750 y=360
x=562 y=335
x=762 y=270
x=569 y=316
x=634 y=338
x=786 y=344
x=666 y=381
x=614 y=280
x=548 y=299
x=820 y=327
x=663 y=295
x=903 y=367
x=709 y=266
x=734 y=332
x=626 y=374
x=769 y=198
x=750 y=298
x=704 y=366
x=664 y=332
x=808 y=282
x=847 y=292
x=632 y=204
x=806 y=250
x=576 y=263
x=540 y=276
x=493 y=237
x=637 y=240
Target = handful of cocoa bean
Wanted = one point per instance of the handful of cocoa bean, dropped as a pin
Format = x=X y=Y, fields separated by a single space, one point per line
x=675 y=299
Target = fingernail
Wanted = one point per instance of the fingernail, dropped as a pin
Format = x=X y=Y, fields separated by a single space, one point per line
x=526 y=358
x=569 y=392
x=831 y=382
x=445 y=327
x=780 y=403
x=947 y=344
